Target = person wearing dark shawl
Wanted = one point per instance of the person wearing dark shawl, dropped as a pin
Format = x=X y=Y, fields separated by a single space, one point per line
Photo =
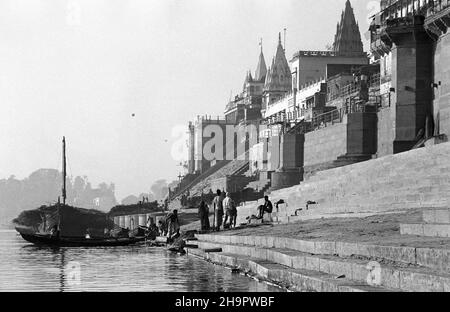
x=203 y=212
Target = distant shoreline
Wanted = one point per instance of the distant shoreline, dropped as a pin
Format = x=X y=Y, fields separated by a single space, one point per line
x=6 y=226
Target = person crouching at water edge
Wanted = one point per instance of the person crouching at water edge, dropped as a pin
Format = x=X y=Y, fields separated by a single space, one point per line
x=173 y=224
x=203 y=212
x=218 y=210
x=162 y=228
x=230 y=211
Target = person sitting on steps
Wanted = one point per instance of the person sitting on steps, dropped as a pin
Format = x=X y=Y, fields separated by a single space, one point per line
x=267 y=207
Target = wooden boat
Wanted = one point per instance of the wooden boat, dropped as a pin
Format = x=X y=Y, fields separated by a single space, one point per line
x=60 y=237
x=51 y=241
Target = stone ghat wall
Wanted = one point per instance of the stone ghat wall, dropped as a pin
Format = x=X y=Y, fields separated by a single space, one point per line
x=442 y=92
x=414 y=179
x=386 y=131
x=325 y=145
x=355 y=136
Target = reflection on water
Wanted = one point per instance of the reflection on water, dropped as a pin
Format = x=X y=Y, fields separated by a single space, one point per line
x=25 y=267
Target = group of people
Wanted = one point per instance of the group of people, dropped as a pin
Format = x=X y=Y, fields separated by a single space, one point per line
x=225 y=215
x=225 y=212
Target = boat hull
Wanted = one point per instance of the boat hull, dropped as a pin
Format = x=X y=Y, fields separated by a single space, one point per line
x=47 y=240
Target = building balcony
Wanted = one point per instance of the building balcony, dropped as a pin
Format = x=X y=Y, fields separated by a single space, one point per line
x=438 y=19
x=398 y=13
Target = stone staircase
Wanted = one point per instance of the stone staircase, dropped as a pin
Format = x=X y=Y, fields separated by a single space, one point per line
x=329 y=266
x=233 y=167
x=415 y=179
x=260 y=186
x=219 y=165
x=340 y=161
x=436 y=223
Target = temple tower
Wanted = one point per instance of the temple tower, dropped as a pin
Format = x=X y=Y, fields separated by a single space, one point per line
x=261 y=69
x=278 y=79
x=347 y=41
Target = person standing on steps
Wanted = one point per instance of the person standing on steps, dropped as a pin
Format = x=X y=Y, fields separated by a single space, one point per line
x=203 y=212
x=233 y=215
x=230 y=207
x=218 y=210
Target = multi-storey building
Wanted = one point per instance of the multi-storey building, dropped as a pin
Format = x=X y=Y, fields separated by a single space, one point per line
x=409 y=40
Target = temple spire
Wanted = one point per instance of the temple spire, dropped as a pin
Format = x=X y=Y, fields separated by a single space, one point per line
x=248 y=78
x=261 y=68
x=279 y=75
x=347 y=41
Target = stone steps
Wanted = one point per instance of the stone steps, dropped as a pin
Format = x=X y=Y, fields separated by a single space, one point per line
x=229 y=168
x=433 y=258
x=293 y=279
x=425 y=229
x=436 y=223
x=415 y=179
x=437 y=216
x=418 y=196
x=259 y=186
x=352 y=170
x=411 y=161
x=369 y=205
x=322 y=258
x=420 y=159
x=334 y=185
x=305 y=217
x=356 y=270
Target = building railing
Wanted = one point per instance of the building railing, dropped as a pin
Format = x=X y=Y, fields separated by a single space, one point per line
x=344 y=92
x=337 y=115
x=354 y=88
x=405 y=8
x=323 y=120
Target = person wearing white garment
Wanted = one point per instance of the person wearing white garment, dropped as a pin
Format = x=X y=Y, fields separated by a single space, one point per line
x=230 y=211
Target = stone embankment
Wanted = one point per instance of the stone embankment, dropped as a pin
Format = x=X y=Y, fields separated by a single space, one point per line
x=313 y=261
x=415 y=179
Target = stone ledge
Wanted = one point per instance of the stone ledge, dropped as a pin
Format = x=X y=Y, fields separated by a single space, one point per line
x=294 y=279
x=433 y=258
x=439 y=216
x=390 y=276
x=426 y=229
x=392 y=253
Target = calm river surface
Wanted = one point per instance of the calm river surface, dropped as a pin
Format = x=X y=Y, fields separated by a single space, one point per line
x=24 y=267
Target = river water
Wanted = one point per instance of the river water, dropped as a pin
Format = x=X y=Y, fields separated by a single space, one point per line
x=25 y=267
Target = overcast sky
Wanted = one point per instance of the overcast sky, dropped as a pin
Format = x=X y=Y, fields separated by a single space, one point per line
x=81 y=68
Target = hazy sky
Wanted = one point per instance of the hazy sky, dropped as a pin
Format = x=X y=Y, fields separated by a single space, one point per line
x=81 y=68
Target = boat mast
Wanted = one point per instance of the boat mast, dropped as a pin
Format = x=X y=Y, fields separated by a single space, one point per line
x=64 y=171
